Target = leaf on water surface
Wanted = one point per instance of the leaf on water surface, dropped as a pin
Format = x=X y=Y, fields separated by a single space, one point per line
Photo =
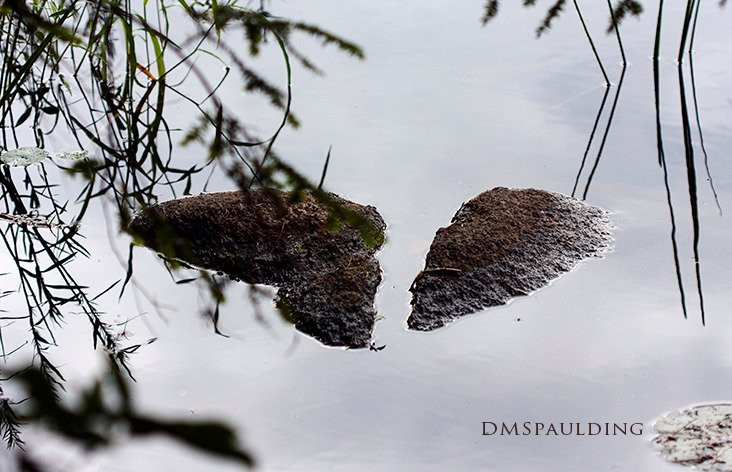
x=25 y=156
x=70 y=155
x=35 y=222
x=698 y=437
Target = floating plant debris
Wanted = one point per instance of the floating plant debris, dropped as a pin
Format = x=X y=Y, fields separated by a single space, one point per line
x=23 y=156
x=502 y=244
x=698 y=437
x=26 y=156
x=70 y=155
x=327 y=279
x=32 y=221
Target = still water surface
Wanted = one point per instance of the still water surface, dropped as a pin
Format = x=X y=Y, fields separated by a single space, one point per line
x=441 y=110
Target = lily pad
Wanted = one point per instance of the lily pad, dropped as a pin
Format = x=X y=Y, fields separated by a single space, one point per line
x=698 y=437
x=327 y=279
x=502 y=244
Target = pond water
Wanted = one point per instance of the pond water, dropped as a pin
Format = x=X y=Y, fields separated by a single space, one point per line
x=440 y=110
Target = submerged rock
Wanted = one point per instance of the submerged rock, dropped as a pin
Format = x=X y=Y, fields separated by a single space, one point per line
x=502 y=244
x=327 y=279
x=699 y=437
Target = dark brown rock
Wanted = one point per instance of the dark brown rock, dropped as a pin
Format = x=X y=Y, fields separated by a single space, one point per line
x=328 y=279
x=502 y=244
